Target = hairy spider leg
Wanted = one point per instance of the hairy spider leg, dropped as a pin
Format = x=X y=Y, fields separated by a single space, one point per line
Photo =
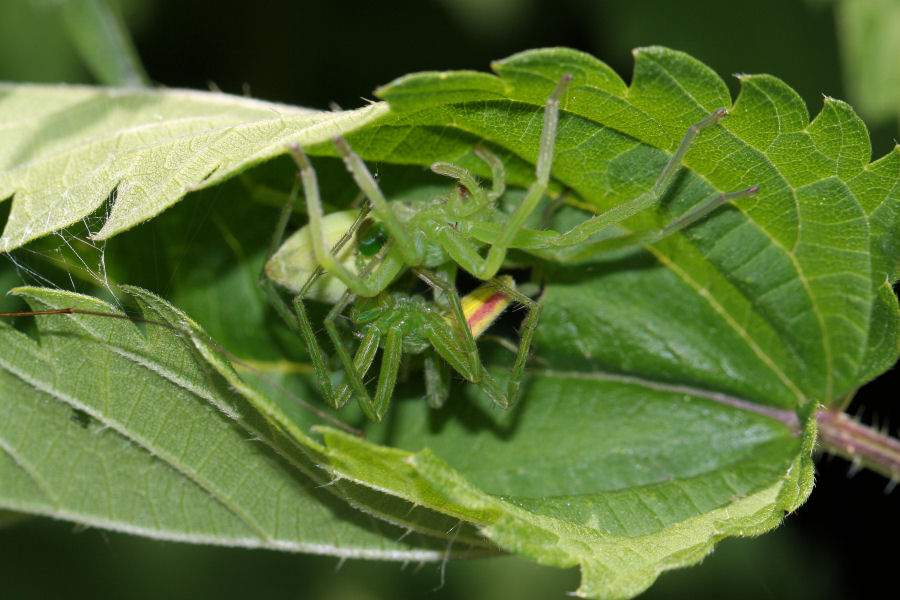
x=467 y=362
x=266 y=284
x=543 y=243
x=437 y=379
x=393 y=262
x=297 y=317
x=580 y=233
x=458 y=351
x=477 y=197
x=646 y=238
x=528 y=329
x=461 y=248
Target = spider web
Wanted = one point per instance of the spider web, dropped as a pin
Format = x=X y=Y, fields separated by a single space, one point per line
x=69 y=259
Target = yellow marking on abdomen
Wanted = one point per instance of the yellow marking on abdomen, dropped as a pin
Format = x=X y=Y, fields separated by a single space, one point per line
x=483 y=305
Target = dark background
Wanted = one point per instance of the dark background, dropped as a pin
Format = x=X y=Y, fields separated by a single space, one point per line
x=838 y=545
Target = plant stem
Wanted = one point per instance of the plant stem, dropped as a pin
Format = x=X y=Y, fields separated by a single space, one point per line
x=862 y=445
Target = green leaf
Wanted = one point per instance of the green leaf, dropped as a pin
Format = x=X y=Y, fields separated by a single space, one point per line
x=112 y=427
x=791 y=272
x=770 y=302
x=652 y=482
x=670 y=398
x=67 y=148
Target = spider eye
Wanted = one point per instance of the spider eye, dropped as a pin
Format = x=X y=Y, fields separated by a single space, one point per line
x=371 y=238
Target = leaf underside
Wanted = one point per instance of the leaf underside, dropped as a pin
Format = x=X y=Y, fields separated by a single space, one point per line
x=147 y=147
x=646 y=431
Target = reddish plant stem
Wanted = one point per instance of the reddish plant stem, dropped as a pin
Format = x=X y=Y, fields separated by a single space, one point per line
x=861 y=444
x=864 y=446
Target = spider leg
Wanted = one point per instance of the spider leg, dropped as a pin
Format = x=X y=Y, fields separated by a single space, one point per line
x=265 y=282
x=497 y=252
x=465 y=355
x=449 y=349
x=471 y=316
x=646 y=238
x=437 y=379
x=461 y=248
x=413 y=250
x=390 y=364
x=297 y=317
x=267 y=285
x=355 y=368
x=498 y=172
x=582 y=232
x=360 y=285
x=529 y=327
x=477 y=197
x=464 y=178
x=362 y=361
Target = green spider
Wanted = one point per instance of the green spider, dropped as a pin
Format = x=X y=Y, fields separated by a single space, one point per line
x=432 y=237
x=443 y=328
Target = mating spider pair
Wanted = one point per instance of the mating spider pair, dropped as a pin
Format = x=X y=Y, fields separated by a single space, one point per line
x=432 y=238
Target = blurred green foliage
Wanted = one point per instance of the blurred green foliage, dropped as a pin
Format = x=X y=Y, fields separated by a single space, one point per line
x=869 y=35
x=113 y=565
x=312 y=53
